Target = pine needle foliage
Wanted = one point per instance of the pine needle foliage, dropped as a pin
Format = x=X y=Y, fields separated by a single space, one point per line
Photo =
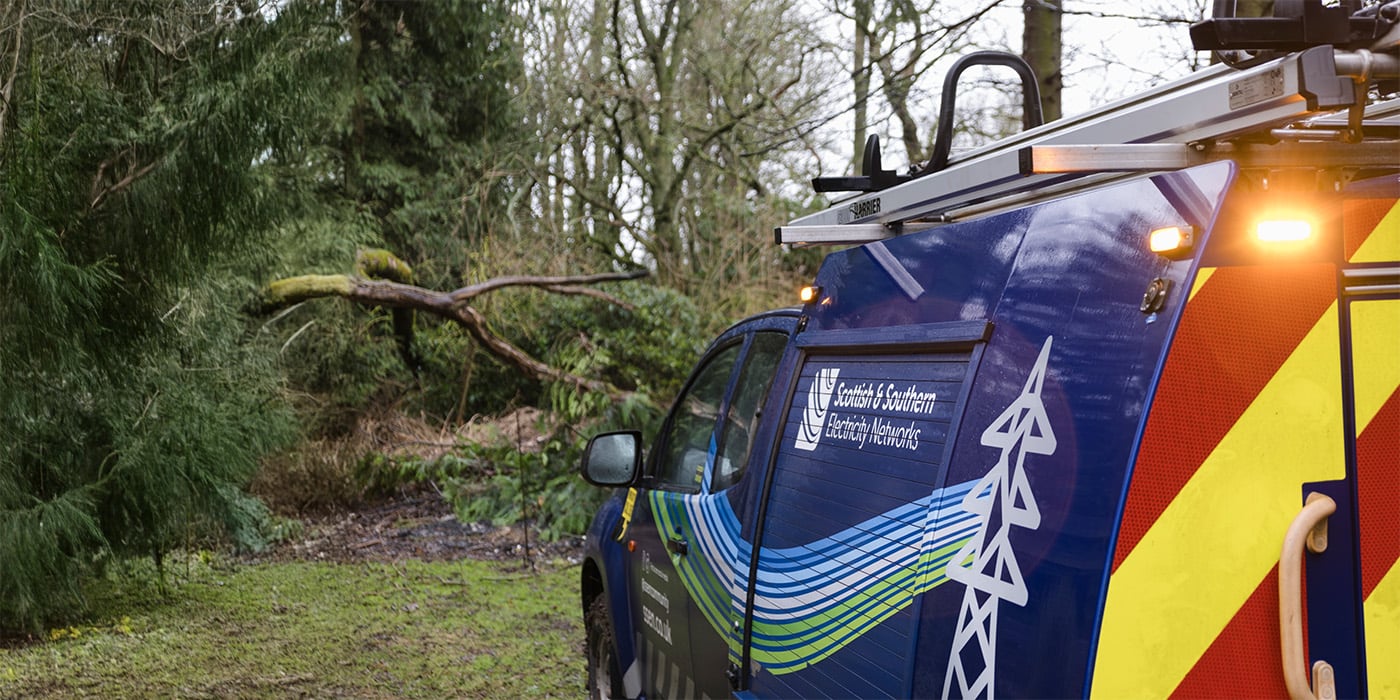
x=417 y=152
x=139 y=183
x=432 y=107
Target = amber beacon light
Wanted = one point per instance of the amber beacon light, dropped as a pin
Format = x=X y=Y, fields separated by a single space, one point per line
x=1171 y=241
x=1283 y=230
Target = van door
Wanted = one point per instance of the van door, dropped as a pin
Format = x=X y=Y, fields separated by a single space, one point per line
x=1371 y=328
x=687 y=565
x=658 y=542
x=1351 y=611
x=1375 y=372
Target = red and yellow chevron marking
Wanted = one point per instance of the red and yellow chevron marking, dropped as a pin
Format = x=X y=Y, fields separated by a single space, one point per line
x=1375 y=339
x=1248 y=409
x=1371 y=230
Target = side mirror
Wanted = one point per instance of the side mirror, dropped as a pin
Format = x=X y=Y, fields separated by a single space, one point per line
x=612 y=459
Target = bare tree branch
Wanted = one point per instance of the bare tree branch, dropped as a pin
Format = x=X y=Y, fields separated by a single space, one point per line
x=461 y=296
x=590 y=292
x=7 y=92
x=134 y=172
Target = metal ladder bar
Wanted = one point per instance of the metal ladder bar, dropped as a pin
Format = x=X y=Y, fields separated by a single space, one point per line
x=1216 y=103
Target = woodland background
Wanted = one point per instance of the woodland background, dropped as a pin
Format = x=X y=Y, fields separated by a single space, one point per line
x=163 y=161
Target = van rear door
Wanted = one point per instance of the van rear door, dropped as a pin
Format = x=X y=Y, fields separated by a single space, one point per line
x=1366 y=527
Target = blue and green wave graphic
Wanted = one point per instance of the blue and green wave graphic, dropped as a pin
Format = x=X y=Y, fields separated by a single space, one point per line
x=816 y=598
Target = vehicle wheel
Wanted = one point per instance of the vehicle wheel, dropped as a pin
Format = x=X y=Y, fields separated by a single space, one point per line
x=604 y=680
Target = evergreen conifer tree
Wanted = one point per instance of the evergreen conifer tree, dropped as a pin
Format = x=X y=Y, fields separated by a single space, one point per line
x=139 y=183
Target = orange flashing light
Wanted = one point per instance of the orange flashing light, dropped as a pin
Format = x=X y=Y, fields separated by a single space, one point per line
x=1171 y=241
x=1283 y=230
x=809 y=294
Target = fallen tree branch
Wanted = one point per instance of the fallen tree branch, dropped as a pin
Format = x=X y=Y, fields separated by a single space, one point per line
x=449 y=305
x=589 y=292
x=466 y=293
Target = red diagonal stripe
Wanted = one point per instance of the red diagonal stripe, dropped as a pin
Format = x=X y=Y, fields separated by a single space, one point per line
x=1234 y=335
x=1359 y=219
x=1378 y=493
x=1243 y=662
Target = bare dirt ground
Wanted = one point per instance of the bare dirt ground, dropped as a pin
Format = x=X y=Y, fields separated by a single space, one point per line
x=412 y=524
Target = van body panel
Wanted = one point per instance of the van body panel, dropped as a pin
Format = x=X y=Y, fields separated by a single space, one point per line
x=1074 y=270
x=1023 y=455
x=1375 y=335
x=1224 y=452
x=1371 y=344
x=850 y=539
x=1257 y=407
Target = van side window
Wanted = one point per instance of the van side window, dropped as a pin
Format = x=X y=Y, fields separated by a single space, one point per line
x=737 y=439
x=685 y=444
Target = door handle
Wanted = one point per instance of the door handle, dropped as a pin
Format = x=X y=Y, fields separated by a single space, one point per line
x=1308 y=530
x=677 y=545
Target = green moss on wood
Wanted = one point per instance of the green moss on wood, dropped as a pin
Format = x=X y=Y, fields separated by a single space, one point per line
x=294 y=289
x=377 y=263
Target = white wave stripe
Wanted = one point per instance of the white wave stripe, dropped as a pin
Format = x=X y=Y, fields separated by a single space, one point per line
x=799 y=582
x=836 y=592
x=725 y=551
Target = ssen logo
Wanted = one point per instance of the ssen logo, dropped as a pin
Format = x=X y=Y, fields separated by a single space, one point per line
x=809 y=433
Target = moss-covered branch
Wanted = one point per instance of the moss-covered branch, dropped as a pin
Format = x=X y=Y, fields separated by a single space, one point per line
x=380 y=264
x=285 y=292
x=393 y=290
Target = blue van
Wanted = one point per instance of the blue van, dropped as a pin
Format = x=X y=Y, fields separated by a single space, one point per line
x=1121 y=429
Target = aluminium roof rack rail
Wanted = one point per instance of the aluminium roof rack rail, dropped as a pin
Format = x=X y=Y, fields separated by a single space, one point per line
x=1309 y=104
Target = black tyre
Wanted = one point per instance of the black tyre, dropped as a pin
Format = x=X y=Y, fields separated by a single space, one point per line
x=604 y=679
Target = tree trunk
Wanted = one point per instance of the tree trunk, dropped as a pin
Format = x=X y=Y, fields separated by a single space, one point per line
x=1040 y=46
x=860 y=78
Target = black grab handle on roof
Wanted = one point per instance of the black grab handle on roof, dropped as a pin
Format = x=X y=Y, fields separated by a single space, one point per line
x=1030 y=96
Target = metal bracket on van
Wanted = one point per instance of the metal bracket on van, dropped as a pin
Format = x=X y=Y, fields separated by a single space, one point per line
x=1156 y=296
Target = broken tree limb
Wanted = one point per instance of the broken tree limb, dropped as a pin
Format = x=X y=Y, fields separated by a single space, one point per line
x=285 y=292
x=589 y=292
x=449 y=305
x=380 y=264
x=465 y=294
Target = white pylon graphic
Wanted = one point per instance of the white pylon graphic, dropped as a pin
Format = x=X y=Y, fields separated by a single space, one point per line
x=986 y=565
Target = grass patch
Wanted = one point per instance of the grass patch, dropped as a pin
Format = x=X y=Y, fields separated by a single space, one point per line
x=469 y=628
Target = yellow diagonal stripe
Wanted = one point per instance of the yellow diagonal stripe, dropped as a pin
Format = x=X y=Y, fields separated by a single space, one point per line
x=1215 y=543
x=1375 y=344
x=1202 y=275
x=1383 y=637
x=1383 y=245
x=1375 y=349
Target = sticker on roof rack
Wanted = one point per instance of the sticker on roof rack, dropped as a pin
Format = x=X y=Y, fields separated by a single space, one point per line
x=859 y=210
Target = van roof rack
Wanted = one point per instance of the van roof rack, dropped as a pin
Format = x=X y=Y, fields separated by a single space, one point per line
x=1265 y=112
